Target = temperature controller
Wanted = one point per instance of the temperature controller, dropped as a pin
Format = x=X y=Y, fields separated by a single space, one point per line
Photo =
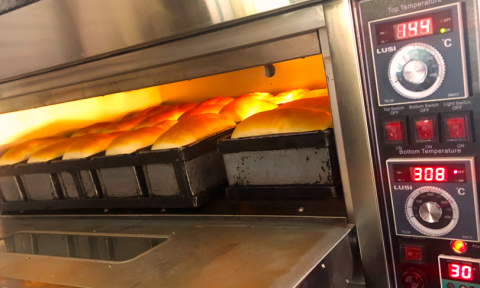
x=434 y=197
x=420 y=56
x=459 y=271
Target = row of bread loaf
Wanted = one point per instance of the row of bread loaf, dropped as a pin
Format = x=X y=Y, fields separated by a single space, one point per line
x=185 y=123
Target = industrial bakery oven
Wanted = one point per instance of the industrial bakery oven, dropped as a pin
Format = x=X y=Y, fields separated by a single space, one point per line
x=421 y=66
x=170 y=219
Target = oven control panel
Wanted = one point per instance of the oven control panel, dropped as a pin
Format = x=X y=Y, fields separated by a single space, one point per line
x=434 y=197
x=421 y=63
x=414 y=53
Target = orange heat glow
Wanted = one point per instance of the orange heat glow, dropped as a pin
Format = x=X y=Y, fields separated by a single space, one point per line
x=62 y=119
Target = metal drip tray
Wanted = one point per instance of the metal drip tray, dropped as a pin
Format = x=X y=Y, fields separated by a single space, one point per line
x=82 y=246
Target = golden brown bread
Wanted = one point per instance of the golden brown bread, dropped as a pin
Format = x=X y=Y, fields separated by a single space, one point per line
x=134 y=140
x=123 y=125
x=217 y=101
x=316 y=93
x=157 y=110
x=319 y=103
x=152 y=121
x=143 y=113
x=258 y=96
x=183 y=106
x=53 y=151
x=279 y=121
x=201 y=110
x=166 y=124
x=92 y=129
x=90 y=145
x=242 y=108
x=289 y=96
x=23 y=151
x=191 y=130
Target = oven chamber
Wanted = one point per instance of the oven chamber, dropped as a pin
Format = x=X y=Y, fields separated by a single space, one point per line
x=196 y=53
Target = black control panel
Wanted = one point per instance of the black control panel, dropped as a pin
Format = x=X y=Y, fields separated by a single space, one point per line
x=421 y=64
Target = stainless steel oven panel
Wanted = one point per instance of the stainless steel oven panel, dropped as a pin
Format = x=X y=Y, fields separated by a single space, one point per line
x=339 y=50
x=242 y=46
x=51 y=34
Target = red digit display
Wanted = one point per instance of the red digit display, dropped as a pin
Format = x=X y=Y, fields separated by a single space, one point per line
x=429 y=174
x=458 y=271
x=414 y=28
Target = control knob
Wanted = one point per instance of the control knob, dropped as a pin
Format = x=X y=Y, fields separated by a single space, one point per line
x=413 y=278
x=416 y=71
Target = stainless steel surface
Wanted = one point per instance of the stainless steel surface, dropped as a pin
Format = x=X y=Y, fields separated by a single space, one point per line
x=415 y=71
x=243 y=46
x=87 y=246
x=50 y=33
x=202 y=251
x=430 y=212
x=339 y=49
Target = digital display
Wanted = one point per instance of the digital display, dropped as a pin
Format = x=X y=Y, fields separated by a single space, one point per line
x=429 y=174
x=448 y=173
x=404 y=28
x=461 y=269
x=461 y=272
x=413 y=29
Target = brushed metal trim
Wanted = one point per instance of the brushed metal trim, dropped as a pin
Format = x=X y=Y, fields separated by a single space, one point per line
x=352 y=138
x=243 y=46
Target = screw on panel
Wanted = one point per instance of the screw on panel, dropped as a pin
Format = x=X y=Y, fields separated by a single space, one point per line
x=301 y=209
x=105 y=210
x=323 y=266
x=109 y=266
x=348 y=281
x=163 y=210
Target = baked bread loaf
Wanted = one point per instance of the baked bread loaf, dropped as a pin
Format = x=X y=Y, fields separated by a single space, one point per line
x=242 y=108
x=258 y=96
x=166 y=124
x=123 y=125
x=134 y=140
x=289 y=96
x=90 y=145
x=152 y=121
x=157 y=110
x=23 y=151
x=217 y=101
x=319 y=103
x=143 y=113
x=280 y=121
x=191 y=130
x=53 y=151
x=316 y=93
x=201 y=110
x=184 y=106
x=92 y=129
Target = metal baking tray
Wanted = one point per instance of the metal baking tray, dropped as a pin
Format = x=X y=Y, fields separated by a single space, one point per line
x=282 y=165
x=182 y=177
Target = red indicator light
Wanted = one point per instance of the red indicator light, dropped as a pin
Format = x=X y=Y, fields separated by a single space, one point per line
x=459 y=246
x=455 y=171
x=458 y=271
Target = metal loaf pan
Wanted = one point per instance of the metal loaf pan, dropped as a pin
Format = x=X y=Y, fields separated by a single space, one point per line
x=183 y=177
x=282 y=165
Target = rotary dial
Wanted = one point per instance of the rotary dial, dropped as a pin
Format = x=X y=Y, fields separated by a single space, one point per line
x=416 y=71
x=432 y=211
